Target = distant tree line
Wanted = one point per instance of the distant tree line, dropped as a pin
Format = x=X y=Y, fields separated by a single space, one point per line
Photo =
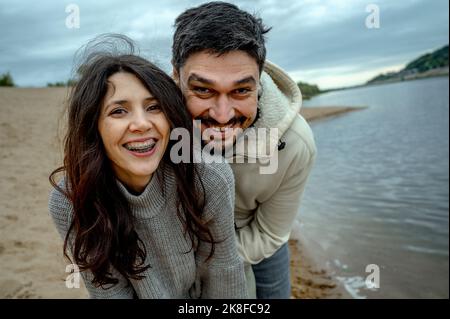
x=308 y=90
x=61 y=83
x=6 y=79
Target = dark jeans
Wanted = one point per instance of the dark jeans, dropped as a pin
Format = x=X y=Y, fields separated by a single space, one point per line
x=272 y=276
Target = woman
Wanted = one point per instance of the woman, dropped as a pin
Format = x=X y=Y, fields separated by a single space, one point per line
x=135 y=223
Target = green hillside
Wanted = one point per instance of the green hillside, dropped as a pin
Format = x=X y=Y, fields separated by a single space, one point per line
x=427 y=65
x=436 y=59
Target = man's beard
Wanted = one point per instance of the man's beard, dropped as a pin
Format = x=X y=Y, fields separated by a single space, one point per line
x=222 y=141
x=238 y=124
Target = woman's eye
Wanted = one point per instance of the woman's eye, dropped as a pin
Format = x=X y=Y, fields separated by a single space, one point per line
x=153 y=107
x=118 y=111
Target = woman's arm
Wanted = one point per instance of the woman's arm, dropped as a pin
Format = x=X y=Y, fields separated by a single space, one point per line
x=61 y=211
x=222 y=276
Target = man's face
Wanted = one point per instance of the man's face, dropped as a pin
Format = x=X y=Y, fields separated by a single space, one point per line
x=222 y=92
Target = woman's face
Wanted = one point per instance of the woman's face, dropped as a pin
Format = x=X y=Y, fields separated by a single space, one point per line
x=134 y=130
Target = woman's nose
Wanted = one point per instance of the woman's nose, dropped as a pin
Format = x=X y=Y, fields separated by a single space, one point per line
x=140 y=121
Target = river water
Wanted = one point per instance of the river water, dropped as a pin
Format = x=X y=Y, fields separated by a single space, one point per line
x=377 y=201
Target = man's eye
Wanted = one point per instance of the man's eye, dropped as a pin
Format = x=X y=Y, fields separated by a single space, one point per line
x=242 y=90
x=201 y=90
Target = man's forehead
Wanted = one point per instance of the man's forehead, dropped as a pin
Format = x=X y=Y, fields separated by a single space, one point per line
x=234 y=65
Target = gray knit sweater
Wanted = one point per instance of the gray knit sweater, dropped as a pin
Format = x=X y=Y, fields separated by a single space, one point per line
x=176 y=270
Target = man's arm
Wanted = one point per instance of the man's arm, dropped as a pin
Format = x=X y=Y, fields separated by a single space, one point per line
x=274 y=218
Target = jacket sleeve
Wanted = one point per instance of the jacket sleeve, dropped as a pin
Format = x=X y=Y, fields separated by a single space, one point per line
x=222 y=276
x=61 y=211
x=273 y=219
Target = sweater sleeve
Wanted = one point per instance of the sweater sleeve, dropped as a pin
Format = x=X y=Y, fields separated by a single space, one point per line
x=61 y=212
x=273 y=219
x=222 y=276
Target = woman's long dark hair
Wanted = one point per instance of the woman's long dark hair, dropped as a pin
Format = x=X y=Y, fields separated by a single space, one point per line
x=102 y=233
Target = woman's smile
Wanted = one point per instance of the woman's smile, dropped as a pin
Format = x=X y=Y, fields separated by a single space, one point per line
x=142 y=147
x=134 y=130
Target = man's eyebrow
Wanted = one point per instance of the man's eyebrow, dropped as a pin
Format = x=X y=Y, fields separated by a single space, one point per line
x=248 y=80
x=198 y=78
x=195 y=77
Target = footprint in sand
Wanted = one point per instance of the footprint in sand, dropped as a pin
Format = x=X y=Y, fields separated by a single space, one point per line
x=11 y=218
x=12 y=288
x=19 y=244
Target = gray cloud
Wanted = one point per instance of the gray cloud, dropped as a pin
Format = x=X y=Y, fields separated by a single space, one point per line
x=307 y=35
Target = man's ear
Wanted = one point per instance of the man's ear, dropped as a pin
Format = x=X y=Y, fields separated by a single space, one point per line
x=260 y=90
x=175 y=75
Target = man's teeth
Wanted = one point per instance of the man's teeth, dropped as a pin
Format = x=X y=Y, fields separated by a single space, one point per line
x=221 y=128
x=140 y=146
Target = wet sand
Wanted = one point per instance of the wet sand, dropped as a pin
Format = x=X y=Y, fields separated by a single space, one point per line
x=31 y=259
x=318 y=113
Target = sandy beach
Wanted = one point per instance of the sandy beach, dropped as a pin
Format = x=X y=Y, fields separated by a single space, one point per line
x=31 y=259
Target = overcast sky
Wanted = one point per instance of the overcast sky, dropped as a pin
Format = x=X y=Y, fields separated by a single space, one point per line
x=325 y=42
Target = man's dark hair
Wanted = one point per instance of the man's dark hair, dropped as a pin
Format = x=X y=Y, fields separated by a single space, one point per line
x=218 y=27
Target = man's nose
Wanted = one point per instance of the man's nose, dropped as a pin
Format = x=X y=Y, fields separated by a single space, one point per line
x=223 y=110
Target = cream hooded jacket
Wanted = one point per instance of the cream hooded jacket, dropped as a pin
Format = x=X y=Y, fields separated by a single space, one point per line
x=267 y=204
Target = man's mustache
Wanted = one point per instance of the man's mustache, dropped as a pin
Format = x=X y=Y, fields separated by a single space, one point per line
x=212 y=122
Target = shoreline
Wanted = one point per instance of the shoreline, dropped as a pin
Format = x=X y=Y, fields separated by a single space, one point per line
x=324 y=112
x=30 y=248
x=310 y=279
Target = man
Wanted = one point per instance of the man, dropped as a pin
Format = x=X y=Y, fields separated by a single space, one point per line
x=219 y=63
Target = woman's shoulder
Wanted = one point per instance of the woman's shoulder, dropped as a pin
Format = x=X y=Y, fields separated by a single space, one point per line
x=216 y=174
x=60 y=207
x=217 y=182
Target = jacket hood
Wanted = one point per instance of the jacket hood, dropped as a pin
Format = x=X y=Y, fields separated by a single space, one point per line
x=278 y=106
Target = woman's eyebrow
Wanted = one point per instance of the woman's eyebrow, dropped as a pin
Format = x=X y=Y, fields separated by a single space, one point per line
x=109 y=104
x=150 y=99
x=117 y=102
x=122 y=101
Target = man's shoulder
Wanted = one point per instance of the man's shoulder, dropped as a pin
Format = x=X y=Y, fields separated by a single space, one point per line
x=299 y=138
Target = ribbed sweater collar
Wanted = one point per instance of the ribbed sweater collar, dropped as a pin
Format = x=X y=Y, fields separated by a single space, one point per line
x=152 y=200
